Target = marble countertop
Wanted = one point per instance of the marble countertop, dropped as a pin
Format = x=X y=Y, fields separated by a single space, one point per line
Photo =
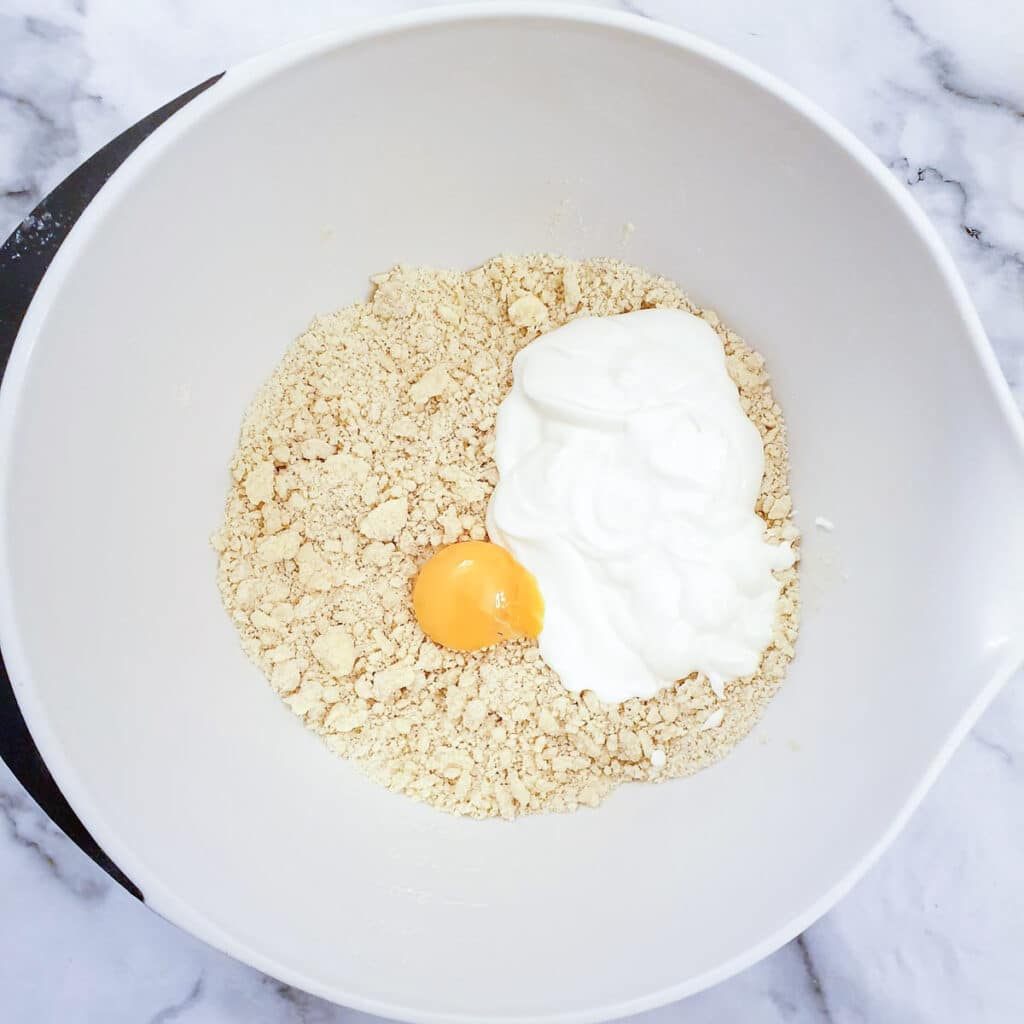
x=936 y=88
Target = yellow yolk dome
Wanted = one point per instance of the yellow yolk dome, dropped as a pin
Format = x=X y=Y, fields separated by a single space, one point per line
x=475 y=594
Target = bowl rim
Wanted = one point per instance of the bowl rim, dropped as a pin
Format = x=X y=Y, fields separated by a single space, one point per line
x=240 y=79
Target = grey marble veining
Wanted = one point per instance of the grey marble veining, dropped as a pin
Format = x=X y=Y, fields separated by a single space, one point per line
x=936 y=89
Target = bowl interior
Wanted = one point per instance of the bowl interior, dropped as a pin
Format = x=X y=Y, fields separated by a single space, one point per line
x=275 y=196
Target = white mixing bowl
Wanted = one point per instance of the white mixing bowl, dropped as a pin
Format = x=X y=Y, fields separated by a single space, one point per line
x=444 y=139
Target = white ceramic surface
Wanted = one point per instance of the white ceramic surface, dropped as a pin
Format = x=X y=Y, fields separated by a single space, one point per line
x=120 y=410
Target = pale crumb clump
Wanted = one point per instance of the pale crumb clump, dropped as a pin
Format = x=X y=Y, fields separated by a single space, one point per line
x=369 y=448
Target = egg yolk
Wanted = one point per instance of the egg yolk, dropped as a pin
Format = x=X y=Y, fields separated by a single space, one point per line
x=475 y=594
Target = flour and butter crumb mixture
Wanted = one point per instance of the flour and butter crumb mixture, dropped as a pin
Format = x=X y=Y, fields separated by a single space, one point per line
x=369 y=448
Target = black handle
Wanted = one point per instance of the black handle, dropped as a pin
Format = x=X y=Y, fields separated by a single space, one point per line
x=24 y=259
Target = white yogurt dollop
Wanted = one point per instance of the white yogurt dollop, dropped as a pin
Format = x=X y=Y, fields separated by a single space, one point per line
x=628 y=478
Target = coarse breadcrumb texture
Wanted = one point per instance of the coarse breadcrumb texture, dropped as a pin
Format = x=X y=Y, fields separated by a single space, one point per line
x=369 y=448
